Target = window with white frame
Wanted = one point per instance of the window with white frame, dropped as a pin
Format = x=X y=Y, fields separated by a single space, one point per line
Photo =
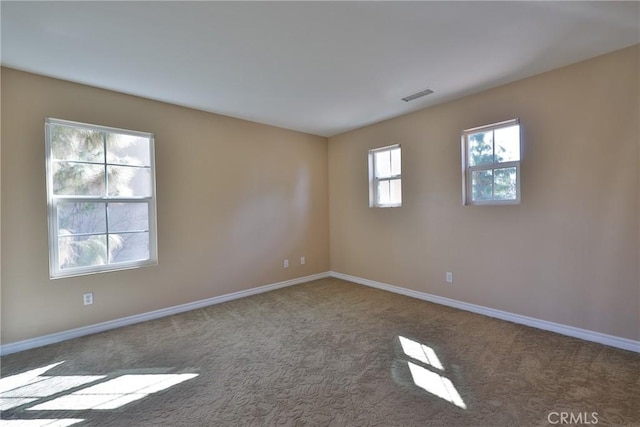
x=385 y=177
x=491 y=164
x=101 y=198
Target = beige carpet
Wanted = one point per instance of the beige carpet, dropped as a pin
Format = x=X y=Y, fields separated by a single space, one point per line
x=325 y=353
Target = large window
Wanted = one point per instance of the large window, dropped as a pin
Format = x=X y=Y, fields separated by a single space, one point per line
x=101 y=198
x=491 y=164
x=385 y=177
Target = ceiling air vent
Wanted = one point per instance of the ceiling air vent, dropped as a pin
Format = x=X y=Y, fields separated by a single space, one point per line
x=418 y=95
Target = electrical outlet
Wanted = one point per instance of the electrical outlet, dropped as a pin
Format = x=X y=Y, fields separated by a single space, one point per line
x=449 y=277
x=87 y=299
x=302 y=260
x=286 y=263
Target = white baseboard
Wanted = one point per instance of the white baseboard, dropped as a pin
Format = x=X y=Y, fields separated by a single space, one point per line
x=610 y=340
x=130 y=320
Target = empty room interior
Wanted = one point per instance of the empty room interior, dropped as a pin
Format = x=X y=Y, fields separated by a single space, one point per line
x=320 y=213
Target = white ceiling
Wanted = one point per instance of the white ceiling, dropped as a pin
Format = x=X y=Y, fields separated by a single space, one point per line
x=318 y=67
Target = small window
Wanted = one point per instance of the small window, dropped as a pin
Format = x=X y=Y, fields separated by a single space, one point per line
x=491 y=164
x=101 y=198
x=385 y=177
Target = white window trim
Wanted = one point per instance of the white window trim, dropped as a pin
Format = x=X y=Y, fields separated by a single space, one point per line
x=467 y=184
x=52 y=206
x=373 y=180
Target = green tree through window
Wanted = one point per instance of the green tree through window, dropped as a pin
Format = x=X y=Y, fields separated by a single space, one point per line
x=492 y=163
x=101 y=198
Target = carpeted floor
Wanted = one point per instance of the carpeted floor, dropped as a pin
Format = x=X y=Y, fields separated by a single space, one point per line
x=324 y=353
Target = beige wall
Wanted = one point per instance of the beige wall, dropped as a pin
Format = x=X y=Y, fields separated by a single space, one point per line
x=568 y=253
x=235 y=199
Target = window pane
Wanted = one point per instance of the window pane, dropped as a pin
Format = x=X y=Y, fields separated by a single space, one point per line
x=383 y=193
x=94 y=176
x=128 y=149
x=480 y=148
x=82 y=251
x=395 y=192
x=482 y=185
x=128 y=247
x=127 y=181
x=128 y=217
x=78 y=179
x=80 y=218
x=71 y=143
x=383 y=164
x=507 y=144
x=396 y=163
x=504 y=184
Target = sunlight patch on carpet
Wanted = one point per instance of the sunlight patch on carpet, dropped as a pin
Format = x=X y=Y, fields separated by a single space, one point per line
x=63 y=422
x=420 y=352
x=114 y=393
x=436 y=385
x=32 y=387
x=18 y=380
x=427 y=379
